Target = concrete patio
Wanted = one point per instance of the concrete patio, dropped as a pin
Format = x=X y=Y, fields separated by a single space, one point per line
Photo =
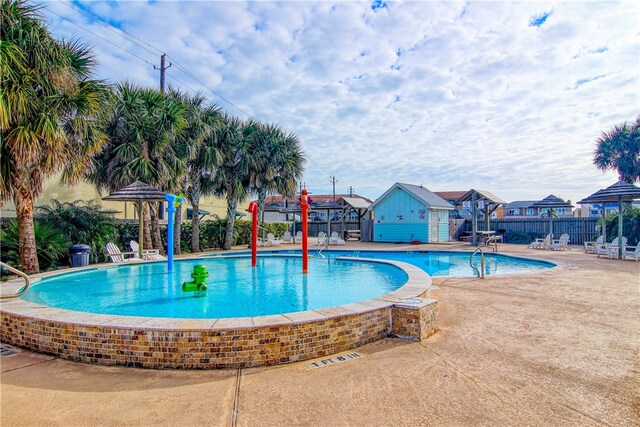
x=556 y=348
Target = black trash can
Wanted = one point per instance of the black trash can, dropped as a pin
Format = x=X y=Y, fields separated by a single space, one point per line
x=79 y=255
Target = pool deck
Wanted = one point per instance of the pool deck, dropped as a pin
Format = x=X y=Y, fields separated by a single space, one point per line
x=560 y=347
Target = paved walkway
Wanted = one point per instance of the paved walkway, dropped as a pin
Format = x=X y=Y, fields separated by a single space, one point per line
x=557 y=348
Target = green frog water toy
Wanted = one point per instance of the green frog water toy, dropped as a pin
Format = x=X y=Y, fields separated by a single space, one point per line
x=199 y=277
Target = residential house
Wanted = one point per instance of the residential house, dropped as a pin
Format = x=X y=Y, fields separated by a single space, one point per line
x=529 y=208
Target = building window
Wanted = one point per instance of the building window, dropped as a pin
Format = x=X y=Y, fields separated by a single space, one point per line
x=512 y=212
x=530 y=211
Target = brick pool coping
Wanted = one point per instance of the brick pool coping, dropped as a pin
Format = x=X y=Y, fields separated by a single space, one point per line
x=152 y=342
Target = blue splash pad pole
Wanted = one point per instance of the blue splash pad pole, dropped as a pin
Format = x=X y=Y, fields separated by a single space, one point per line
x=174 y=201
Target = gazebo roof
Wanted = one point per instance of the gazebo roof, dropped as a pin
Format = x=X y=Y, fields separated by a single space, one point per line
x=135 y=192
x=552 y=201
x=355 y=202
x=481 y=195
x=620 y=190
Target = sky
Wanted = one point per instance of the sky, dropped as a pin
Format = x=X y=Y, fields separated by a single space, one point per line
x=508 y=97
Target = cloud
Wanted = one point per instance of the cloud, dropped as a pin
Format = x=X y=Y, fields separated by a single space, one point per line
x=508 y=97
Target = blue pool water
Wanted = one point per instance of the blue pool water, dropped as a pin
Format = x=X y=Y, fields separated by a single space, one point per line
x=235 y=288
x=443 y=263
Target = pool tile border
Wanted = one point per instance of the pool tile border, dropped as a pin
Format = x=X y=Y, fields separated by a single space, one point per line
x=227 y=342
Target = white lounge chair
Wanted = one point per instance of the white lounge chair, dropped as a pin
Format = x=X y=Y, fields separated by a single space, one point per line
x=322 y=238
x=590 y=247
x=147 y=254
x=611 y=249
x=631 y=252
x=335 y=239
x=114 y=254
x=287 y=237
x=298 y=238
x=271 y=240
x=561 y=244
x=541 y=243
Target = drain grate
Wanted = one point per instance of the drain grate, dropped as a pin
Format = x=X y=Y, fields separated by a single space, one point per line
x=7 y=350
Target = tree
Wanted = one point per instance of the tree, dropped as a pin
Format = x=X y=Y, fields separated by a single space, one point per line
x=277 y=163
x=550 y=213
x=195 y=146
x=619 y=149
x=50 y=110
x=142 y=127
x=231 y=178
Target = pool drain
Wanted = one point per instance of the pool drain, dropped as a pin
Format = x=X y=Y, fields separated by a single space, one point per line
x=7 y=350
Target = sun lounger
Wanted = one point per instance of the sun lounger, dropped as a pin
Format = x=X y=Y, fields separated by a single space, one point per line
x=561 y=244
x=114 y=254
x=612 y=249
x=590 y=247
x=335 y=239
x=147 y=254
x=631 y=252
x=541 y=243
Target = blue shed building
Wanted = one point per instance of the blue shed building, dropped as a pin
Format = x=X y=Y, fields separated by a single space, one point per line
x=407 y=212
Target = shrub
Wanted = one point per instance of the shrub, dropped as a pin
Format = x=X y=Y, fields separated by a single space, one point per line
x=51 y=245
x=88 y=224
x=630 y=225
x=519 y=237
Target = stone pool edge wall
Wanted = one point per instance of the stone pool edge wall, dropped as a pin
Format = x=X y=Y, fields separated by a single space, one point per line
x=222 y=343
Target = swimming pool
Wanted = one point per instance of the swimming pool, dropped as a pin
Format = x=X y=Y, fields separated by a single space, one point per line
x=235 y=289
x=443 y=263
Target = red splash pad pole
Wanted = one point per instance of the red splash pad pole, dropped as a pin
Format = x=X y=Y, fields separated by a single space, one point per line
x=304 y=206
x=253 y=208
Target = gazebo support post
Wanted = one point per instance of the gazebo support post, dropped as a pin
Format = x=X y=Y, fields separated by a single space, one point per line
x=140 y=228
x=620 y=217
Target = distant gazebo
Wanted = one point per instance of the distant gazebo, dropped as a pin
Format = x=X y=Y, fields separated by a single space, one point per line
x=620 y=192
x=480 y=200
x=138 y=192
x=550 y=202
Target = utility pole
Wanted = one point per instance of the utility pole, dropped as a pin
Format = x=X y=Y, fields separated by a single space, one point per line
x=333 y=181
x=162 y=70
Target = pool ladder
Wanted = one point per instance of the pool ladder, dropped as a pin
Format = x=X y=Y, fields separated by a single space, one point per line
x=480 y=272
x=19 y=273
x=323 y=245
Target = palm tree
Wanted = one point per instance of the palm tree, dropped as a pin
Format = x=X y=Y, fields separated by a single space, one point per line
x=50 y=110
x=550 y=213
x=619 y=149
x=198 y=145
x=142 y=127
x=277 y=162
x=231 y=178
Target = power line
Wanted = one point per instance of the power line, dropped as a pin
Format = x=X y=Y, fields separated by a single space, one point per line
x=181 y=82
x=110 y=27
x=100 y=37
x=197 y=80
x=100 y=20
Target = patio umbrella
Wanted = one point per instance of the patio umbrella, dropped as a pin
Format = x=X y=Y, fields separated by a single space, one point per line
x=549 y=202
x=138 y=192
x=619 y=192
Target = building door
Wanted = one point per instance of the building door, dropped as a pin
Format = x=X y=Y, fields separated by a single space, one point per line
x=434 y=225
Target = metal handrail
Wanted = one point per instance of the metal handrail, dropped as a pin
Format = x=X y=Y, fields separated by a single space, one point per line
x=19 y=273
x=479 y=272
x=323 y=245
